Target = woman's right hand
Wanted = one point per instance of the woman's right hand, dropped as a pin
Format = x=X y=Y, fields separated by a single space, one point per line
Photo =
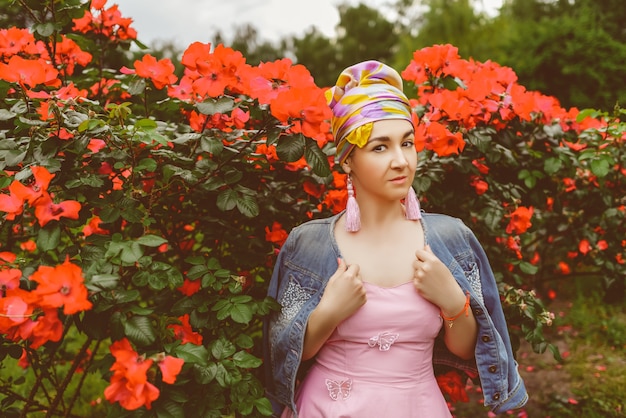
x=345 y=292
x=343 y=296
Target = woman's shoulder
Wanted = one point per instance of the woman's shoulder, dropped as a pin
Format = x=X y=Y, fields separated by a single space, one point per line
x=441 y=220
x=314 y=226
x=445 y=226
x=312 y=231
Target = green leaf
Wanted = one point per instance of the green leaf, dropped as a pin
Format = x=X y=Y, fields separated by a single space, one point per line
x=246 y=360
x=192 y=353
x=241 y=313
x=600 y=167
x=227 y=200
x=291 y=148
x=137 y=86
x=109 y=214
x=151 y=240
x=232 y=175
x=264 y=406
x=222 y=349
x=248 y=206
x=147 y=164
x=44 y=29
x=139 y=330
x=316 y=158
x=169 y=409
x=552 y=165
x=48 y=238
x=528 y=268
x=212 y=145
x=146 y=124
x=212 y=106
x=131 y=252
x=244 y=341
x=102 y=281
x=158 y=281
x=195 y=260
x=203 y=375
x=6 y=114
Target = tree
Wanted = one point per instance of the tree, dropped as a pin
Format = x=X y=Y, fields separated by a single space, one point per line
x=569 y=50
x=246 y=40
x=362 y=33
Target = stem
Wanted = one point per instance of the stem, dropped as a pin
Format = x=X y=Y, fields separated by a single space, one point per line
x=81 y=381
x=19 y=397
x=68 y=378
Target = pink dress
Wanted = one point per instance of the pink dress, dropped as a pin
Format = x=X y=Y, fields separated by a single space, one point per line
x=378 y=362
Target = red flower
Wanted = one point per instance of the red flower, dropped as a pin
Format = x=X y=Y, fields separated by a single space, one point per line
x=69 y=54
x=276 y=235
x=170 y=368
x=12 y=204
x=160 y=72
x=520 y=220
x=435 y=136
x=29 y=72
x=584 y=247
x=9 y=280
x=47 y=327
x=479 y=185
x=482 y=168
x=189 y=287
x=129 y=383
x=564 y=268
x=46 y=210
x=184 y=332
x=453 y=385
x=36 y=189
x=93 y=227
x=305 y=109
x=62 y=285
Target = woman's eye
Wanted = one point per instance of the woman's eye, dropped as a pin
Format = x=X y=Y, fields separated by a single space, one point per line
x=378 y=148
x=409 y=143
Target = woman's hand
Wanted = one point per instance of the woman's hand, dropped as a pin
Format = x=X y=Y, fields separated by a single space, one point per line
x=344 y=295
x=435 y=282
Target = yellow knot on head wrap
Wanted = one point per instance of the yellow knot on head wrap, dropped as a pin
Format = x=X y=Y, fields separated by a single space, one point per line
x=364 y=93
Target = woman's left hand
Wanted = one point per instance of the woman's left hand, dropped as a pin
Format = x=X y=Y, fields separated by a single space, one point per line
x=434 y=281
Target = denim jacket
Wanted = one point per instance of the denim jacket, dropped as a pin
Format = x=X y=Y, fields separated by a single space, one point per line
x=309 y=258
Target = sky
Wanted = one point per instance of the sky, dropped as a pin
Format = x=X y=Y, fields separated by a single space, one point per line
x=187 y=21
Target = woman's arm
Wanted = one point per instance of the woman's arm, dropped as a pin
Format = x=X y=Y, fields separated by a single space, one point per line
x=344 y=295
x=435 y=282
x=460 y=327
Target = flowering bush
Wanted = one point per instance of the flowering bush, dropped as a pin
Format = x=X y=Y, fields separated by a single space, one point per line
x=143 y=209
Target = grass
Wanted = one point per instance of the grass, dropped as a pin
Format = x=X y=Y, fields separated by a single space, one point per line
x=20 y=381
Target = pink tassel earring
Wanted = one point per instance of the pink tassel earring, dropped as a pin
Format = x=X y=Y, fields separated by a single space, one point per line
x=412 y=206
x=353 y=214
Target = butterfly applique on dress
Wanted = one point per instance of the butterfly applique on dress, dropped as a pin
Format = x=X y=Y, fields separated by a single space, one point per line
x=339 y=391
x=383 y=340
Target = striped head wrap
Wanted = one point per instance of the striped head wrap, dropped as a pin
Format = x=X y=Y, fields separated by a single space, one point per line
x=364 y=93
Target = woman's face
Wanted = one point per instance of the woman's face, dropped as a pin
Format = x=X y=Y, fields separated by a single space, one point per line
x=385 y=167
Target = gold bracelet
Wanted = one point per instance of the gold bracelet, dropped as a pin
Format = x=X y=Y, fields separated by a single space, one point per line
x=465 y=309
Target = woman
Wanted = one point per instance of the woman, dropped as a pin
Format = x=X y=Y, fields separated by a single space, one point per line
x=374 y=297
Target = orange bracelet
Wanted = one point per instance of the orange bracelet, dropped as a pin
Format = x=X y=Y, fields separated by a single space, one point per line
x=465 y=309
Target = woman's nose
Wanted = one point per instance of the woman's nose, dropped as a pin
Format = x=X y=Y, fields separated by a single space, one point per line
x=399 y=158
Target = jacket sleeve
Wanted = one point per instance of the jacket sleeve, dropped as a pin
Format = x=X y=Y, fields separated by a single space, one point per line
x=503 y=387
x=284 y=330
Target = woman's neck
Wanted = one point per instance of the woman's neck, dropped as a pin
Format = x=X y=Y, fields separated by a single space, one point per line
x=381 y=216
